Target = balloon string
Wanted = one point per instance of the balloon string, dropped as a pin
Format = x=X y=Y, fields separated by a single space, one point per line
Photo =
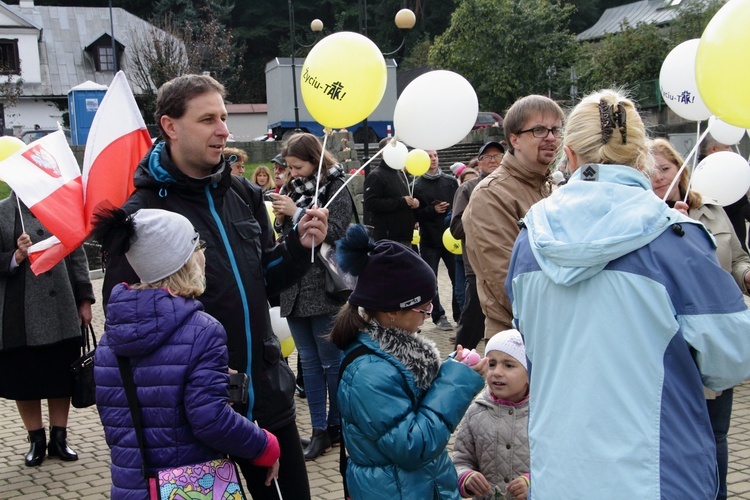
x=352 y=177
x=687 y=159
x=695 y=157
x=317 y=187
x=406 y=178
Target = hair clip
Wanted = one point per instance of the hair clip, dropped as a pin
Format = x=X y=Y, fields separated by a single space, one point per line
x=232 y=159
x=620 y=117
x=605 y=117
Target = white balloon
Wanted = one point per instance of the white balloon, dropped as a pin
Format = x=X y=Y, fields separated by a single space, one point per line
x=278 y=324
x=677 y=82
x=723 y=132
x=394 y=154
x=436 y=110
x=723 y=177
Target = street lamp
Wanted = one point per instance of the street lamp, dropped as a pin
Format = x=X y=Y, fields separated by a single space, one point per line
x=405 y=20
x=316 y=26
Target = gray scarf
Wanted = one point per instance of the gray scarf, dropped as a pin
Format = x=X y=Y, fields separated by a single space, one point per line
x=418 y=354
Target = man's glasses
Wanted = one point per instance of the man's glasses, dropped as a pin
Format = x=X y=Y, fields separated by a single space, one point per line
x=543 y=132
x=426 y=312
x=497 y=157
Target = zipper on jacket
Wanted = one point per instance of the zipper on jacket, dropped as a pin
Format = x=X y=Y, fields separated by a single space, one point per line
x=243 y=297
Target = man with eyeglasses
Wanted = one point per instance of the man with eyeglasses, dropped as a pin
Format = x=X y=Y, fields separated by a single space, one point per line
x=434 y=192
x=471 y=329
x=533 y=127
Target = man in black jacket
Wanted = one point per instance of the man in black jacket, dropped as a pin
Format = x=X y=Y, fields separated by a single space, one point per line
x=435 y=191
x=187 y=174
x=389 y=204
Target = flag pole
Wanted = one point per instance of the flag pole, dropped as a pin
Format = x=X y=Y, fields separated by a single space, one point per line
x=20 y=216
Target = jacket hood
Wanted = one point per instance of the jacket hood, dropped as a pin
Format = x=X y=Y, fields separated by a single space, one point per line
x=603 y=213
x=139 y=321
x=157 y=171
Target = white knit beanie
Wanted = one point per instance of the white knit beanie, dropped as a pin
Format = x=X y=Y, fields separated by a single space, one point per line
x=163 y=243
x=509 y=342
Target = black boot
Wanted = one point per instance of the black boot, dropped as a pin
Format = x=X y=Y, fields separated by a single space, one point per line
x=58 y=445
x=319 y=444
x=334 y=432
x=38 y=450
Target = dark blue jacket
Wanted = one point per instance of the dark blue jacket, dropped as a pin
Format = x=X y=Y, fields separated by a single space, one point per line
x=178 y=356
x=243 y=267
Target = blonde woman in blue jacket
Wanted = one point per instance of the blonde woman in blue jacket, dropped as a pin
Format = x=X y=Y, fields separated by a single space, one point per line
x=399 y=402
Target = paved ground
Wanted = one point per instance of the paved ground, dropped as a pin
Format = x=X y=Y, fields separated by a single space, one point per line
x=89 y=476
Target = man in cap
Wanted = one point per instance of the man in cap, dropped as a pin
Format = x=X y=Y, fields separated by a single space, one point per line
x=279 y=171
x=533 y=128
x=471 y=329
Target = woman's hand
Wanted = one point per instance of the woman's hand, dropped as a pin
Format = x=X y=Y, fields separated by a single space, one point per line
x=313 y=226
x=23 y=243
x=681 y=207
x=84 y=313
x=283 y=205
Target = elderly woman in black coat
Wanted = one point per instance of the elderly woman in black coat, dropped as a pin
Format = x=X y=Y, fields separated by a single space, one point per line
x=40 y=333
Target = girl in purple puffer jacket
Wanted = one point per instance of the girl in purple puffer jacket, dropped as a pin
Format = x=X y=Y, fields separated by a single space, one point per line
x=178 y=356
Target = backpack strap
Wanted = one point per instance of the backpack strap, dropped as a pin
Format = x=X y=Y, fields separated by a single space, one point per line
x=359 y=351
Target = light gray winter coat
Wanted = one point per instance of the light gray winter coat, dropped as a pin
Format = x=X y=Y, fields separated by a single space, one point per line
x=493 y=439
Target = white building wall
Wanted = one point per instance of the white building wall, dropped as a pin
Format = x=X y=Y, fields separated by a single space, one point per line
x=28 y=113
x=247 y=126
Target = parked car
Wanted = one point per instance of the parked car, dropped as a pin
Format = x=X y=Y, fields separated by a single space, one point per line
x=29 y=136
x=487 y=119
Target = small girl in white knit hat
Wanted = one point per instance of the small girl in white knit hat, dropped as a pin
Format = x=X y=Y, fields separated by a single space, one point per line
x=491 y=451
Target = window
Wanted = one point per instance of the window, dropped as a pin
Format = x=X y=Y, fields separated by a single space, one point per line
x=105 y=59
x=9 y=61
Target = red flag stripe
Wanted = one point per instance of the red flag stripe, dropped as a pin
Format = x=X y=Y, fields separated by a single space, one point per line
x=61 y=213
x=110 y=179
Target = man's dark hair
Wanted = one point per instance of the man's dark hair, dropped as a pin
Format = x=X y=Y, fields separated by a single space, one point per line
x=174 y=95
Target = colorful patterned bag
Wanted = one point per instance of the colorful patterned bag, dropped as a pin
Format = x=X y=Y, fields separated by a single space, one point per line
x=212 y=480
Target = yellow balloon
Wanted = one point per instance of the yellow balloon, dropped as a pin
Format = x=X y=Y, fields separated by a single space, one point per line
x=722 y=64
x=287 y=347
x=415 y=239
x=452 y=244
x=417 y=162
x=9 y=145
x=343 y=79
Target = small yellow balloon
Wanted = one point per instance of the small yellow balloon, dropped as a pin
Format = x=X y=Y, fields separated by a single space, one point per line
x=343 y=79
x=722 y=64
x=9 y=145
x=417 y=162
x=452 y=244
x=415 y=239
x=287 y=347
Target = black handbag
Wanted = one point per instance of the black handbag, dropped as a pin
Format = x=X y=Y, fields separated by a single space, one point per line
x=82 y=369
x=339 y=285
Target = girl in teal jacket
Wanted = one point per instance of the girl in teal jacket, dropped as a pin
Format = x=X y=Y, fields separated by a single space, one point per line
x=399 y=403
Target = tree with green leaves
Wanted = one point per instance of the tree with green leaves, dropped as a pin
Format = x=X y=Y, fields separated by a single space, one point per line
x=507 y=48
x=633 y=55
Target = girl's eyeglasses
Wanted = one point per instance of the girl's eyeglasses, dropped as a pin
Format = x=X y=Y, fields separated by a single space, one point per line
x=426 y=312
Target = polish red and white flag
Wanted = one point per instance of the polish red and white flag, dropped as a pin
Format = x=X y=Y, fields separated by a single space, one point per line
x=117 y=140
